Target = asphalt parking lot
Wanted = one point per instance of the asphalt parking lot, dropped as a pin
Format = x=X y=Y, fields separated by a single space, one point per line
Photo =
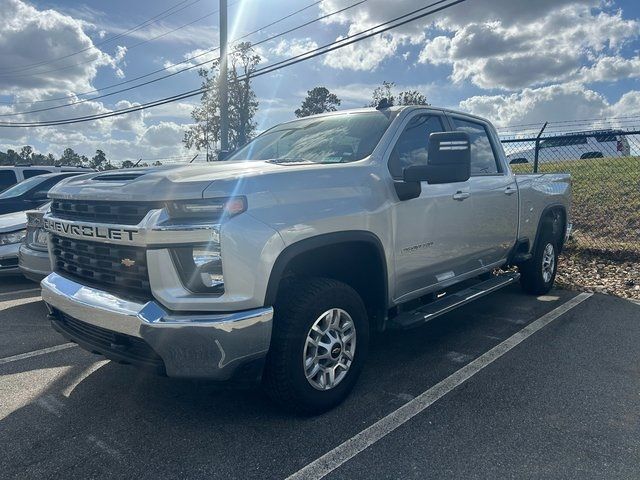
x=508 y=387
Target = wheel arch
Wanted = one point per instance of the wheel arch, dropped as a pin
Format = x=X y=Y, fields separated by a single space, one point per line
x=556 y=216
x=330 y=255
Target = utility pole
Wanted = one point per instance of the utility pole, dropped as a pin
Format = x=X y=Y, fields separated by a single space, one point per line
x=224 y=87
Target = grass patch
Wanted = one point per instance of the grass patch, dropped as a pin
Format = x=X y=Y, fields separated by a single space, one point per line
x=605 y=202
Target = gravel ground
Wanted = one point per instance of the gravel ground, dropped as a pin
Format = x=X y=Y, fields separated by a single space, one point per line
x=593 y=272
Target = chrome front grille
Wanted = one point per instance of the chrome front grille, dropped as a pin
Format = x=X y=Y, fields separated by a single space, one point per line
x=113 y=268
x=99 y=211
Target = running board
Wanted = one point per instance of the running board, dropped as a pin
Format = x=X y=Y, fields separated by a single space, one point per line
x=452 y=301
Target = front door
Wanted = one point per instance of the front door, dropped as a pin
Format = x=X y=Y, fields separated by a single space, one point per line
x=430 y=243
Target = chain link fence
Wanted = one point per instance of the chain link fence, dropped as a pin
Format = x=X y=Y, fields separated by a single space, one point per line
x=605 y=168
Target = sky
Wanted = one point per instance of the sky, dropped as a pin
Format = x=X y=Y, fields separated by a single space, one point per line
x=513 y=61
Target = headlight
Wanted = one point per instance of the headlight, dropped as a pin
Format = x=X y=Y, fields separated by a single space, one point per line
x=12 y=237
x=200 y=267
x=209 y=209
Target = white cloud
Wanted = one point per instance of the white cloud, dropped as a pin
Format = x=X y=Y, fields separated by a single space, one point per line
x=559 y=46
x=505 y=44
x=164 y=134
x=365 y=55
x=191 y=59
x=610 y=69
x=570 y=101
x=30 y=36
x=293 y=47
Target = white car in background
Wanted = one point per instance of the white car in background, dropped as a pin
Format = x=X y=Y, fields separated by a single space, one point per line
x=597 y=144
x=13 y=228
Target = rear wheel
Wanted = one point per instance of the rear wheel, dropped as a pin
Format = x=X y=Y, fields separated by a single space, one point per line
x=318 y=347
x=539 y=273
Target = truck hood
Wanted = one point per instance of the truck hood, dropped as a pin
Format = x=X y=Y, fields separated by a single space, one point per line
x=160 y=184
x=11 y=222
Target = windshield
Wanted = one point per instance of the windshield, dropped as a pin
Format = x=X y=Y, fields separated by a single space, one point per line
x=330 y=139
x=20 y=188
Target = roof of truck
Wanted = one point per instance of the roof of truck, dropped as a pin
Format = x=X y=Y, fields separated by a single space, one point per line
x=396 y=109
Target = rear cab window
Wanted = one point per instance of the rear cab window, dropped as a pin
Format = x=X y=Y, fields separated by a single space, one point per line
x=483 y=157
x=34 y=173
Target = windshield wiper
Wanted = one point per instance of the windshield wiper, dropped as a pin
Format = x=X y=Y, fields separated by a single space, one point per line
x=289 y=160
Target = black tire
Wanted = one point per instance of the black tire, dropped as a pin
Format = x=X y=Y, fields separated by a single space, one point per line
x=298 y=307
x=532 y=278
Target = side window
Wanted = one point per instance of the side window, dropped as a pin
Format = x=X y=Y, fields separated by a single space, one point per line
x=34 y=173
x=483 y=160
x=412 y=145
x=7 y=179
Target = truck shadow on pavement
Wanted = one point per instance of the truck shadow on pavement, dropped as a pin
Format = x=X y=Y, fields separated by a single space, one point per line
x=109 y=419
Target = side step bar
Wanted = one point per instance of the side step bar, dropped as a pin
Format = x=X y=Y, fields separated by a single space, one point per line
x=450 y=302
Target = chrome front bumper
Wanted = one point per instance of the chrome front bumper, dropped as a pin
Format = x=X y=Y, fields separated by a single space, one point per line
x=34 y=264
x=191 y=345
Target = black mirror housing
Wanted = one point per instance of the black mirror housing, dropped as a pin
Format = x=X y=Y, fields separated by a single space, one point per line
x=449 y=160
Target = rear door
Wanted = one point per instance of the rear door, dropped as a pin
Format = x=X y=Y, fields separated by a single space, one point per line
x=491 y=231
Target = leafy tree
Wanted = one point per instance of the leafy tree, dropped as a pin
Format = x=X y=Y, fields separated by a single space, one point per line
x=25 y=153
x=412 y=97
x=127 y=164
x=99 y=161
x=70 y=158
x=12 y=157
x=383 y=91
x=318 y=100
x=407 y=97
x=205 y=133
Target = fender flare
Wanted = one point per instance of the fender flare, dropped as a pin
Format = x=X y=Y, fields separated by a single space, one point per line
x=544 y=213
x=323 y=240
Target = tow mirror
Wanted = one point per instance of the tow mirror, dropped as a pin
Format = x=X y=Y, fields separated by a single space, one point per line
x=449 y=160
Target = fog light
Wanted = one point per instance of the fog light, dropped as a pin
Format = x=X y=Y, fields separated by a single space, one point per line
x=200 y=267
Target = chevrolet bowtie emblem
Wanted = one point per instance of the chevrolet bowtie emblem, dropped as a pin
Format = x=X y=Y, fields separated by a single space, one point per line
x=127 y=262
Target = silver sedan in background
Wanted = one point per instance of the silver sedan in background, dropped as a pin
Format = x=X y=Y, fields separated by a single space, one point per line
x=33 y=253
x=12 y=232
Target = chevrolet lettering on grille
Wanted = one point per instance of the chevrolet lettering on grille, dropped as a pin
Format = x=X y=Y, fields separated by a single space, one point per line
x=74 y=230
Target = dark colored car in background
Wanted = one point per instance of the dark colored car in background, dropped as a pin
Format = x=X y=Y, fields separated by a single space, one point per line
x=31 y=193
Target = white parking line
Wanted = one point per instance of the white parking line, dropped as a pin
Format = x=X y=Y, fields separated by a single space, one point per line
x=367 y=437
x=18 y=292
x=36 y=353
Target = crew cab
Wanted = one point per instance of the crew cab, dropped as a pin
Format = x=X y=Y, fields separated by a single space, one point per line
x=278 y=263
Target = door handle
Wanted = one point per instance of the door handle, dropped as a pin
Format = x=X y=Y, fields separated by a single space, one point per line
x=510 y=190
x=460 y=195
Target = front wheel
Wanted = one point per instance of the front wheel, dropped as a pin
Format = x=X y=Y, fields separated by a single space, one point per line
x=539 y=273
x=318 y=347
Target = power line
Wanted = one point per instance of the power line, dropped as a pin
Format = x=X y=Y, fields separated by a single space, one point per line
x=154 y=19
x=348 y=40
x=186 y=60
x=191 y=67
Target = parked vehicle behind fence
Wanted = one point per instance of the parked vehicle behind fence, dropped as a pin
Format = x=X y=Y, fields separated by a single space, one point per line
x=574 y=146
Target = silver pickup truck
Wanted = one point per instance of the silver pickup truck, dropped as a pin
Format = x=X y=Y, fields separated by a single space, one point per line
x=278 y=263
